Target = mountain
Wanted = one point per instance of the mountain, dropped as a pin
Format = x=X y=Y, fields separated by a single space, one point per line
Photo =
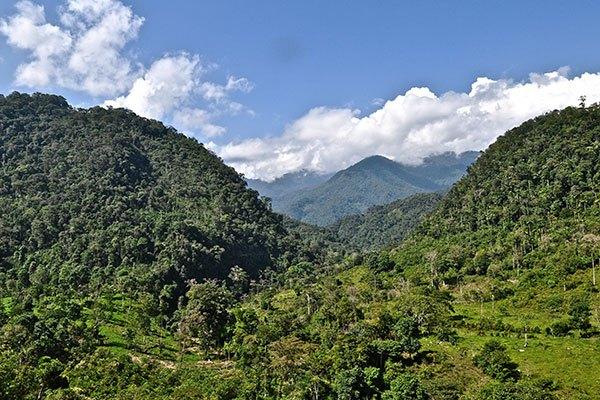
x=386 y=225
x=287 y=183
x=373 y=181
x=88 y=196
x=446 y=168
x=538 y=174
x=135 y=265
x=479 y=303
x=521 y=230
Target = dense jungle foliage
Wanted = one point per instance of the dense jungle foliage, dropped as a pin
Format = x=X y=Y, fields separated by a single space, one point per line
x=97 y=196
x=384 y=226
x=493 y=297
x=529 y=208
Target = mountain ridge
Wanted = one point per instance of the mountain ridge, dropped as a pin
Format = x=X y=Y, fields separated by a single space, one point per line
x=375 y=180
x=288 y=183
x=139 y=194
x=135 y=264
x=385 y=225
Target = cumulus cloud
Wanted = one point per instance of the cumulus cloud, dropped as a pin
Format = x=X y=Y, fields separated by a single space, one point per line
x=409 y=127
x=86 y=51
x=167 y=84
x=167 y=91
x=83 y=52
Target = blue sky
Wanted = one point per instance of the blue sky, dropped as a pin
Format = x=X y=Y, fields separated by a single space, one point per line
x=342 y=55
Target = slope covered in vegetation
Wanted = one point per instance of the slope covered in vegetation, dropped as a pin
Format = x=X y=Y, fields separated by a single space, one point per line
x=530 y=202
x=386 y=225
x=95 y=196
x=492 y=298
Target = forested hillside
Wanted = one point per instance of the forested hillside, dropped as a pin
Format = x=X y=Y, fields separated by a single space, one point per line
x=97 y=197
x=110 y=216
x=530 y=201
x=373 y=181
x=386 y=225
x=494 y=297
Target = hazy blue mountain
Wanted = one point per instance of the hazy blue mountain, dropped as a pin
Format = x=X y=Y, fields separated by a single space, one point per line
x=288 y=183
x=375 y=180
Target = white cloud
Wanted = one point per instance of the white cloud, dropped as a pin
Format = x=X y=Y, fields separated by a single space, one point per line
x=409 y=127
x=378 y=101
x=241 y=84
x=168 y=84
x=83 y=53
x=86 y=51
x=102 y=29
x=212 y=91
x=167 y=92
x=215 y=92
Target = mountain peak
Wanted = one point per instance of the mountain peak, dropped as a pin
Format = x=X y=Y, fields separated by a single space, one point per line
x=373 y=161
x=374 y=180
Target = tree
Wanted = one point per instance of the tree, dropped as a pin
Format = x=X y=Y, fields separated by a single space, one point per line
x=406 y=331
x=592 y=245
x=205 y=317
x=495 y=362
x=49 y=374
x=406 y=387
x=239 y=280
x=353 y=384
x=580 y=314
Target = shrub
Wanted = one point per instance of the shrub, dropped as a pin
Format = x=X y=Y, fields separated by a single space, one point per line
x=580 y=314
x=559 y=328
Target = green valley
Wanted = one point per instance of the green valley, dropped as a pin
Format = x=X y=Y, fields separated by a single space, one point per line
x=134 y=264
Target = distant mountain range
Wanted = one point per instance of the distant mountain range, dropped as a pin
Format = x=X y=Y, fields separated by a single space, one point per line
x=322 y=200
x=288 y=183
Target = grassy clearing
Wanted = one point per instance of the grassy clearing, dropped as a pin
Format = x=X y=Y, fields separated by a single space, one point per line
x=572 y=362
